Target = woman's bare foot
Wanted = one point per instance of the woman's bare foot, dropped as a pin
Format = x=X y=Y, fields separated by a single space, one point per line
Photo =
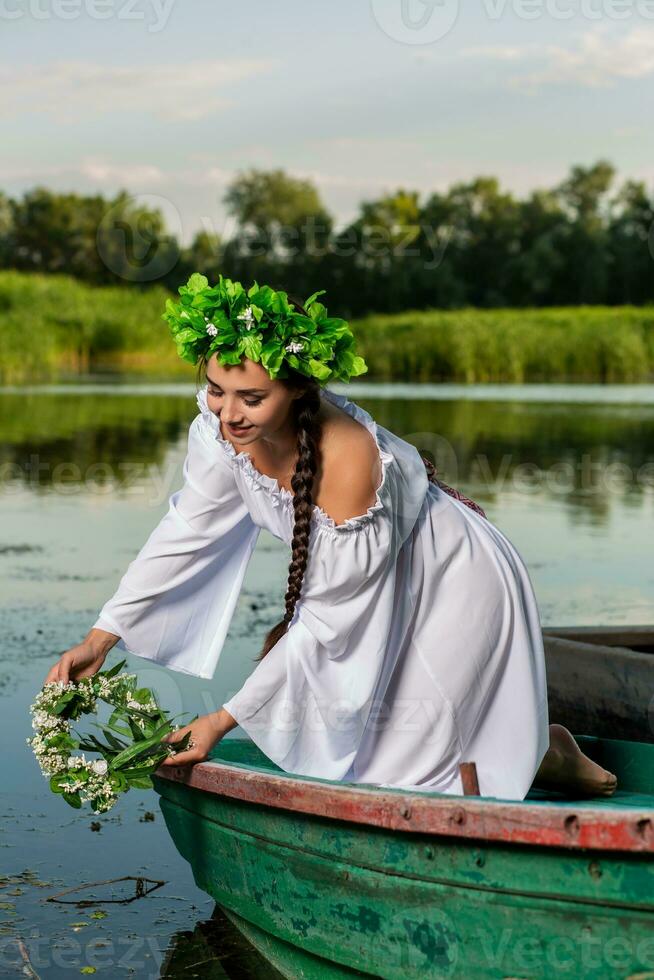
x=565 y=767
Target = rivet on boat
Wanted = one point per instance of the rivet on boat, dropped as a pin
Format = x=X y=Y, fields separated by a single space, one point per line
x=458 y=817
x=644 y=828
x=406 y=812
x=571 y=825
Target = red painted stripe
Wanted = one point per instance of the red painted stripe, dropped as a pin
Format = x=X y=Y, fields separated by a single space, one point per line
x=594 y=827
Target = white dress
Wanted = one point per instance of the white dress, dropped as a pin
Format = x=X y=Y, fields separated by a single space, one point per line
x=415 y=645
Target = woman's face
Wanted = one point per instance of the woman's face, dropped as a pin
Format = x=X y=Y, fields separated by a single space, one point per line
x=244 y=395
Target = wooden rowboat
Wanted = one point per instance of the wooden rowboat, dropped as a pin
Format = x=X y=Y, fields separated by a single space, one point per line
x=335 y=880
x=601 y=679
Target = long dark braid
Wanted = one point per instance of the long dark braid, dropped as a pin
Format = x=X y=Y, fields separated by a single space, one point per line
x=308 y=442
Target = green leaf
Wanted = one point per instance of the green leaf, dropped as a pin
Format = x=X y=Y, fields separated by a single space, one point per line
x=335 y=326
x=317 y=311
x=197 y=283
x=118 y=729
x=272 y=355
x=117 y=781
x=134 y=750
x=302 y=324
x=229 y=357
x=61 y=702
x=114 y=742
x=144 y=783
x=319 y=370
x=113 y=670
x=263 y=297
x=252 y=346
x=307 y=303
x=359 y=366
x=72 y=799
x=139 y=772
x=280 y=302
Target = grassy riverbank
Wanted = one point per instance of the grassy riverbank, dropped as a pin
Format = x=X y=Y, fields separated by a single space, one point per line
x=51 y=325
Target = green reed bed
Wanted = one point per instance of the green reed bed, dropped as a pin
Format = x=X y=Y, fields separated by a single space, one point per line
x=53 y=324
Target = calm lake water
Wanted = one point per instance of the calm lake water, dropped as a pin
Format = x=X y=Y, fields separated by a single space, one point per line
x=566 y=472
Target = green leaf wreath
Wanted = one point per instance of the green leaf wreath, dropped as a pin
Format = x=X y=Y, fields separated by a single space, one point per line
x=261 y=325
x=132 y=748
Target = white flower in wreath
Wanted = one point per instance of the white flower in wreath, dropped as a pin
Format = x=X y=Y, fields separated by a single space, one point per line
x=99 y=766
x=294 y=347
x=247 y=316
x=212 y=329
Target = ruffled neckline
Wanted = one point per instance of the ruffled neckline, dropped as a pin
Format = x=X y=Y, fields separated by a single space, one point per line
x=280 y=495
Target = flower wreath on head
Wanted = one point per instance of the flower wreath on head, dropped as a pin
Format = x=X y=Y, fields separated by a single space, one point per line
x=261 y=324
x=125 y=762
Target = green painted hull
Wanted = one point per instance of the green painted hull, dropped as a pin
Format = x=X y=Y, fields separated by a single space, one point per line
x=324 y=897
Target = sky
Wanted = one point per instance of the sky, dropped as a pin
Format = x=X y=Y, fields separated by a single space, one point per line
x=171 y=99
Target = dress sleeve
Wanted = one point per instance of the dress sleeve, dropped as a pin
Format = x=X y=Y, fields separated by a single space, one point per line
x=175 y=602
x=307 y=703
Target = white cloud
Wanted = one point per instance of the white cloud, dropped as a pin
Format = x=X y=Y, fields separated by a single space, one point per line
x=142 y=174
x=595 y=60
x=67 y=91
x=90 y=169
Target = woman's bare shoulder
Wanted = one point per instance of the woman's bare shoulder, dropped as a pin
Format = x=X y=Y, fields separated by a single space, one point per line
x=350 y=471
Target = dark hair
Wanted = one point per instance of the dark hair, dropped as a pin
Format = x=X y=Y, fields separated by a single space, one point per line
x=308 y=428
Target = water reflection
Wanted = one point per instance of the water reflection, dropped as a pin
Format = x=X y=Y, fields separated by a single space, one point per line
x=582 y=455
x=215 y=949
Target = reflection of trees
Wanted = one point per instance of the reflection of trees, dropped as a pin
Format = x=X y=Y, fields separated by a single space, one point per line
x=570 y=448
x=486 y=448
x=113 y=434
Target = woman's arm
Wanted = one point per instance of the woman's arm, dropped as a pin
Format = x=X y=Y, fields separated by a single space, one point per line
x=175 y=601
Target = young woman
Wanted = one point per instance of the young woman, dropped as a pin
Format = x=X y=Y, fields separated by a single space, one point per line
x=410 y=640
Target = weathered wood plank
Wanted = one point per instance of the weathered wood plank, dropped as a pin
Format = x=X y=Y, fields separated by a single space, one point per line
x=634 y=637
x=600 y=690
x=616 y=879
x=592 y=826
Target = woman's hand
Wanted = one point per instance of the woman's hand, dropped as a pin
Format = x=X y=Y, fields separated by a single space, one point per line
x=83 y=660
x=206 y=731
x=80 y=661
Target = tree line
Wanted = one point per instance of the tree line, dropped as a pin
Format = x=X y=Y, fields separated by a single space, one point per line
x=586 y=241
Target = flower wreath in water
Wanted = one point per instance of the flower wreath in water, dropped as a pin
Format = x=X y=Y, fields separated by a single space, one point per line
x=133 y=749
x=261 y=324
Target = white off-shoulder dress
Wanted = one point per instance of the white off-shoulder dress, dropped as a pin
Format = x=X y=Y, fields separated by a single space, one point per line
x=415 y=645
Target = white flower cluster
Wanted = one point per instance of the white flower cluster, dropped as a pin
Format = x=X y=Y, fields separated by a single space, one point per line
x=212 y=329
x=248 y=318
x=52 y=740
x=294 y=346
